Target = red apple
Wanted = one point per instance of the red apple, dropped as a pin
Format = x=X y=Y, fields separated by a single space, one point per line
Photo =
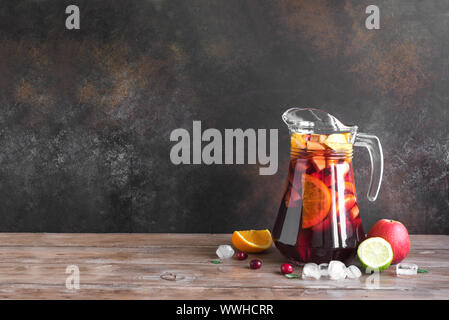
x=396 y=234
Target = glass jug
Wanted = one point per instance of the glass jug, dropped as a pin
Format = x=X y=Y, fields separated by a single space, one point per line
x=318 y=220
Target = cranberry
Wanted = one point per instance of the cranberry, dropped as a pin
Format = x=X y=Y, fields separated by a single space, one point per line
x=255 y=264
x=241 y=255
x=286 y=268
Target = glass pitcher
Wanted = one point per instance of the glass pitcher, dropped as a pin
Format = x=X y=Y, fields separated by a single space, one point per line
x=319 y=219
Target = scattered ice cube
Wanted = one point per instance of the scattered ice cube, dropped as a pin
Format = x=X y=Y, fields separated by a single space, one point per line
x=324 y=269
x=225 y=251
x=353 y=272
x=337 y=270
x=406 y=269
x=310 y=270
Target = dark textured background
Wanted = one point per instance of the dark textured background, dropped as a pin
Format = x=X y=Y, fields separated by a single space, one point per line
x=86 y=115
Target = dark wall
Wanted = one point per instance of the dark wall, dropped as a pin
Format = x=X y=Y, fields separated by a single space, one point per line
x=86 y=115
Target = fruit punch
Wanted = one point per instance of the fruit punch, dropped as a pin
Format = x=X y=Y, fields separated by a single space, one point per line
x=319 y=219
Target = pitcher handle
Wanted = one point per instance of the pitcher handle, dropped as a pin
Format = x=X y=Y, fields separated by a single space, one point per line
x=374 y=147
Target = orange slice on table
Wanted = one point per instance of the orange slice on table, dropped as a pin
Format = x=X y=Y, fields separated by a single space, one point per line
x=252 y=240
x=316 y=201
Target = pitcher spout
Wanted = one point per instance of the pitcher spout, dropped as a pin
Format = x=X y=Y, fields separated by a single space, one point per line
x=312 y=120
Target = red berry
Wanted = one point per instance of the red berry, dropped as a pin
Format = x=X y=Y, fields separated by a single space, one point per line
x=241 y=255
x=286 y=268
x=255 y=264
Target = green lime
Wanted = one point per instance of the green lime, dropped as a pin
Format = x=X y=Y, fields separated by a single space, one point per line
x=375 y=254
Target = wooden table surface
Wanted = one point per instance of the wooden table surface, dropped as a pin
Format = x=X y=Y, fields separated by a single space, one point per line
x=141 y=266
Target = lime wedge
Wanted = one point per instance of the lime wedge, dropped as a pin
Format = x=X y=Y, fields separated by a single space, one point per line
x=375 y=254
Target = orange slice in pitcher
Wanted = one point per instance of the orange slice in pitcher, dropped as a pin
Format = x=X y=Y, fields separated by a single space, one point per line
x=348 y=136
x=297 y=141
x=354 y=213
x=316 y=201
x=338 y=142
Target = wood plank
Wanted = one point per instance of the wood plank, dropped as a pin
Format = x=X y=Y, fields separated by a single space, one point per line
x=122 y=266
x=208 y=276
x=165 y=255
x=130 y=240
x=192 y=293
x=133 y=240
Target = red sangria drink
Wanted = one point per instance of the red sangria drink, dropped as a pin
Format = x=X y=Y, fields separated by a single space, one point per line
x=319 y=219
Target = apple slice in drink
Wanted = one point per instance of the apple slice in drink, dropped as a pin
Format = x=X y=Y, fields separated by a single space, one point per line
x=338 y=141
x=318 y=138
x=315 y=146
x=319 y=163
